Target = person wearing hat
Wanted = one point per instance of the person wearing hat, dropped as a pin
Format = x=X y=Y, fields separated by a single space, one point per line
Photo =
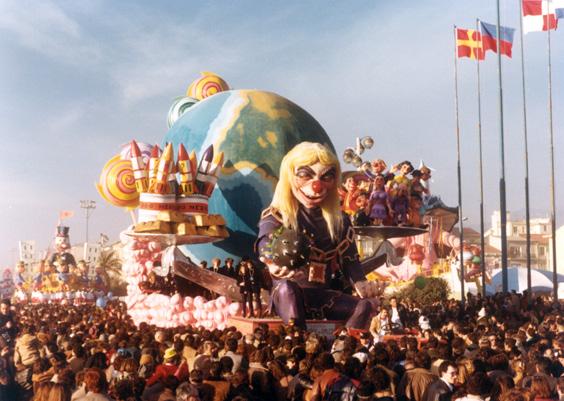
x=171 y=366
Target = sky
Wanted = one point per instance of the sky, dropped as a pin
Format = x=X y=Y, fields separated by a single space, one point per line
x=80 y=79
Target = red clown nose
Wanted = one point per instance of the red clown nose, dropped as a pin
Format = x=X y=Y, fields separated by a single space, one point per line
x=316 y=186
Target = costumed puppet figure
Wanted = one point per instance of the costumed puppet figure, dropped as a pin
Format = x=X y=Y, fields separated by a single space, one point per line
x=401 y=178
x=414 y=213
x=306 y=201
x=425 y=178
x=400 y=204
x=361 y=217
x=51 y=282
x=416 y=184
x=379 y=201
x=64 y=276
x=101 y=280
x=348 y=194
x=38 y=278
x=62 y=247
x=378 y=167
x=82 y=280
x=19 y=279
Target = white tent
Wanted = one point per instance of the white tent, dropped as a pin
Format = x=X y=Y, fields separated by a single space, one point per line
x=517 y=280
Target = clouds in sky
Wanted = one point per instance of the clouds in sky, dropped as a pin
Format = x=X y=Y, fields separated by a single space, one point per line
x=82 y=78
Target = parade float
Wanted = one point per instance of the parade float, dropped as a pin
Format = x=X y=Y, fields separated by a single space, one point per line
x=205 y=202
x=59 y=278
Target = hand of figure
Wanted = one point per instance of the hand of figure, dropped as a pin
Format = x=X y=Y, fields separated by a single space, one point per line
x=369 y=289
x=277 y=271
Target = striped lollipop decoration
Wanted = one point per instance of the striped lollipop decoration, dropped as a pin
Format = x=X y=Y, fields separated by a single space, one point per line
x=207 y=85
x=117 y=183
x=145 y=148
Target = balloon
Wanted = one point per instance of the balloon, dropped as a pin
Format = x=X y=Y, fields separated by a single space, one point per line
x=218 y=317
x=234 y=308
x=117 y=184
x=199 y=302
x=221 y=301
x=188 y=301
x=207 y=85
x=176 y=299
x=179 y=107
x=420 y=282
x=145 y=149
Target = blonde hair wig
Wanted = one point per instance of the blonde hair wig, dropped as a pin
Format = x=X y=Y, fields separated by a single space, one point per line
x=307 y=154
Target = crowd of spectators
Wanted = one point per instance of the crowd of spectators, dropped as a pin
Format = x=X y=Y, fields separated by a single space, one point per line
x=507 y=347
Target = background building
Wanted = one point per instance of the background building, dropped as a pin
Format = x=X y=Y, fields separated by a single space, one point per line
x=517 y=241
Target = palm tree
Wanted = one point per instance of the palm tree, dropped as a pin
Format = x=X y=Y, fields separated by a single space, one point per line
x=110 y=261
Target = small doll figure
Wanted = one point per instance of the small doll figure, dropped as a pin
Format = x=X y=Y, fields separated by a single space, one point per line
x=425 y=179
x=378 y=203
x=82 y=279
x=416 y=185
x=415 y=204
x=400 y=204
x=348 y=194
x=19 y=279
x=377 y=167
x=101 y=280
x=361 y=217
x=38 y=278
x=64 y=276
x=401 y=178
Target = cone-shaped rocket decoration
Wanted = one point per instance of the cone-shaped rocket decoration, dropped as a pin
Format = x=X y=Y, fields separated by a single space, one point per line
x=161 y=179
x=138 y=166
x=185 y=171
x=152 y=168
x=205 y=163
x=212 y=174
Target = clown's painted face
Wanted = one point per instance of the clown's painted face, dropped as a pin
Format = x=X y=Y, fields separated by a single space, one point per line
x=311 y=184
x=62 y=244
x=378 y=166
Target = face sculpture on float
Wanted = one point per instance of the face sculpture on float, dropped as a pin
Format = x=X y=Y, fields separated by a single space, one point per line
x=306 y=200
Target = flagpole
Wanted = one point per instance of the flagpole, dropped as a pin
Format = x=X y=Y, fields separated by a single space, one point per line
x=526 y=143
x=461 y=236
x=482 y=241
x=552 y=196
x=503 y=207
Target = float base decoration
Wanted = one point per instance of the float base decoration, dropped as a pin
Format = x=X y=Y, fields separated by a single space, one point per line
x=159 y=303
x=248 y=325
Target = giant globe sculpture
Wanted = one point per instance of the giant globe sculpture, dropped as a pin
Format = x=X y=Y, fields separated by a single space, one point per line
x=254 y=129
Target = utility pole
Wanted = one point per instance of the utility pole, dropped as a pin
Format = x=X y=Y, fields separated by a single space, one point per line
x=88 y=206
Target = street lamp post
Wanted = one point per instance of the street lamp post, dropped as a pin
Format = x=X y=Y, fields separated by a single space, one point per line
x=88 y=206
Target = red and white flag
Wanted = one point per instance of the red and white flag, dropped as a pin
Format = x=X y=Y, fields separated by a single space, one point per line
x=65 y=214
x=540 y=15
